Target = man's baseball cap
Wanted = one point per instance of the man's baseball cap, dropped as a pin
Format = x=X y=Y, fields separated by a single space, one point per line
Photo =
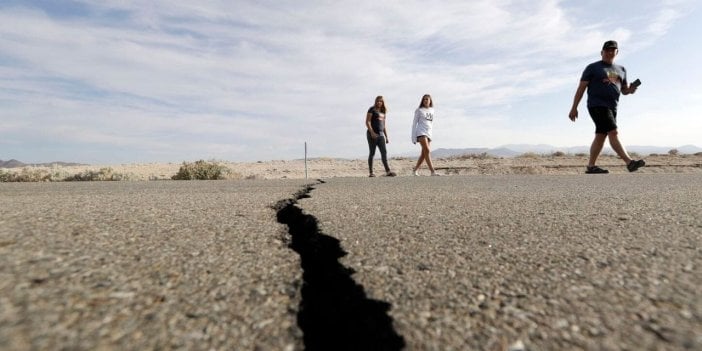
x=610 y=44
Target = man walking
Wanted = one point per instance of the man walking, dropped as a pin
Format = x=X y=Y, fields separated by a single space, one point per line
x=605 y=82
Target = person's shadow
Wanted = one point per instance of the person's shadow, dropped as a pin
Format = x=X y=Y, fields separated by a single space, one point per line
x=335 y=313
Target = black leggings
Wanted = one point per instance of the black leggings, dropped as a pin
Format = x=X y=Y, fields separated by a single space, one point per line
x=372 y=144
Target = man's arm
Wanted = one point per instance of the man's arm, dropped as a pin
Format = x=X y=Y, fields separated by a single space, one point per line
x=629 y=89
x=573 y=115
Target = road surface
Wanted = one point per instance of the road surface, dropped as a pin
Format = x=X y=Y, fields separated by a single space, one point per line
x=521 y=262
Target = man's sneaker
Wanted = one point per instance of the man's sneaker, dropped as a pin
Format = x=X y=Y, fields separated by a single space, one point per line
x=635 y=164
x=596 y=170
x=415 y=173
x=371 y=175
x=391 y=174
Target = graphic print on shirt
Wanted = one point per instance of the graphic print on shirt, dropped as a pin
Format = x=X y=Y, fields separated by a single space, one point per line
x=612 y=76
x=429 y=116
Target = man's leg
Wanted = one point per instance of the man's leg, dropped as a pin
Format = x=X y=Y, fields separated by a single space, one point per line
x=618 y=147
x=596 y=148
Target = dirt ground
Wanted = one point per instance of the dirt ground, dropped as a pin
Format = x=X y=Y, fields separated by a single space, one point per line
x=332 y=167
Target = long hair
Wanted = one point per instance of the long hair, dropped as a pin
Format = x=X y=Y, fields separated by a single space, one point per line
x=431 y=101
x=383 y=109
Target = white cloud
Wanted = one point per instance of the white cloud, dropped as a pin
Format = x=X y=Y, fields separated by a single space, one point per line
x=251 y=80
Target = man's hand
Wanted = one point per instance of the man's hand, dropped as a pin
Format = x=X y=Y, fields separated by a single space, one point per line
x=573 y=115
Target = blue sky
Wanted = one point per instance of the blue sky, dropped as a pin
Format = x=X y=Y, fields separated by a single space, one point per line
x=120 y=81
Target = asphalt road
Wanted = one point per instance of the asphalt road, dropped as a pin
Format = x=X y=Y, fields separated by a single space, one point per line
x=190 y=265
x=522 y=262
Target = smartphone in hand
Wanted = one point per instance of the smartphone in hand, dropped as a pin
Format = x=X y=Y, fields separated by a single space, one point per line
x=636 y=83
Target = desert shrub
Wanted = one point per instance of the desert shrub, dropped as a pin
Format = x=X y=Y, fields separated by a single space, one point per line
x=581 y=154
x=558 y=154
x=529 y=155
x=202 y=170
x=634 y=154
x=698 y=153
x=472 y=156
x=673 y=152
x=26 y=175
x=104 y=174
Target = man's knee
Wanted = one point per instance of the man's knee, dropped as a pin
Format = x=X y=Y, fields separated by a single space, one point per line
x=612 y=133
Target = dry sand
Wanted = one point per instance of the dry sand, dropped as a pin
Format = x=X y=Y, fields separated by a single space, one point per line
x=331 y=167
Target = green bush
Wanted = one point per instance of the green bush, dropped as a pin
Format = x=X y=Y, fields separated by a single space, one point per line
x=201 y=170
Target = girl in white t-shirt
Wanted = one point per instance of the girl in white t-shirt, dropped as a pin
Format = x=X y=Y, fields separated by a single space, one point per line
x=421 y=132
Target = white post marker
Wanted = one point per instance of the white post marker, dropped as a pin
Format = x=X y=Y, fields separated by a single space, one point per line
x=305 y=160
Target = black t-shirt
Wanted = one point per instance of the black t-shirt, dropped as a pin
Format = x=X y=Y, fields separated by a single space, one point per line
x=605 y=84
x=377 y=120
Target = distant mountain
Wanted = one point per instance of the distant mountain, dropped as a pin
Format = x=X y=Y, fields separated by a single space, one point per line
x=647 y=150
x=15 y=164
x=524 y=148
x=689 y=149
x=512 y=150
x=11 y=164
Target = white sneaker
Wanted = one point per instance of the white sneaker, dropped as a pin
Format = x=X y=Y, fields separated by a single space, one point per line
x=415 y=173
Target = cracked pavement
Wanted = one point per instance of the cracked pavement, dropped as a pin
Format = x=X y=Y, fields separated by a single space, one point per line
x=459 y=262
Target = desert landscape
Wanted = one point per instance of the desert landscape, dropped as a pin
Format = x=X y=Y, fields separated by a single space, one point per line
x=326 y=167
x=515 y=253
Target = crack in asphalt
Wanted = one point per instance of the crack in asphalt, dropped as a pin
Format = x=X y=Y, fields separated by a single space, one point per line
x=334 y=311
